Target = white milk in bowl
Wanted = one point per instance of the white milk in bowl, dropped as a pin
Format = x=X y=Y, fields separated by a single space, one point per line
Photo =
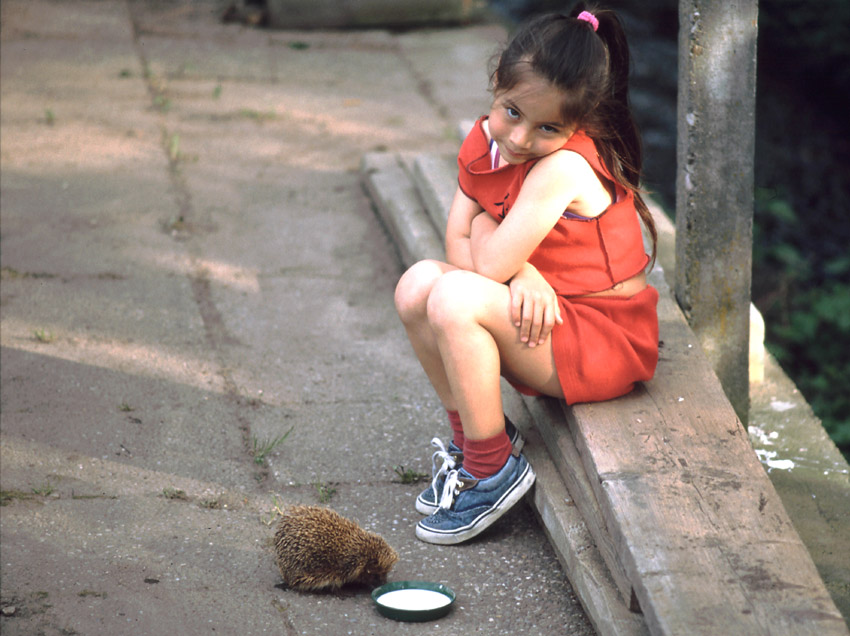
x=414 y=600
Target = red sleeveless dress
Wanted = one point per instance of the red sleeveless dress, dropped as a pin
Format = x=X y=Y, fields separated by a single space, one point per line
x=606 y=344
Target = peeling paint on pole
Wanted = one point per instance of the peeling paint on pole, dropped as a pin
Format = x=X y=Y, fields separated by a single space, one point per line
x=715 y=183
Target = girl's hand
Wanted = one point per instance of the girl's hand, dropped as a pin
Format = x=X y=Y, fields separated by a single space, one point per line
x=534 y=306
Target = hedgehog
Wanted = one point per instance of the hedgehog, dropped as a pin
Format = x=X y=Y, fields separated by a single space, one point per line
x=317 y=549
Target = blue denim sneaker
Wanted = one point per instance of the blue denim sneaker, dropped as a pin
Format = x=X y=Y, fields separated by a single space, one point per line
x=468 y=506
x=451 y=458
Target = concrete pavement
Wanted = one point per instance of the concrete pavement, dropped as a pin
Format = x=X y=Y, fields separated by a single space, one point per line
x=190 y=269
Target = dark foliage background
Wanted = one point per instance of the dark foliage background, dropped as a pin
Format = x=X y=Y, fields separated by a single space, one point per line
x=801 y=260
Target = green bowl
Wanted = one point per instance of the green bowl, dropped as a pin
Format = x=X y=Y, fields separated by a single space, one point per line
x=423 y=602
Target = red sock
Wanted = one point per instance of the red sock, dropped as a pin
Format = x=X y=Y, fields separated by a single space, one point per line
x=483 y=458
x=457 y=428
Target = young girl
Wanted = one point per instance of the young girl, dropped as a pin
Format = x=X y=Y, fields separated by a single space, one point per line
x=545 y=280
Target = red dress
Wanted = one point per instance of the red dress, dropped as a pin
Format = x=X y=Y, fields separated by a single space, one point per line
x=605 y=344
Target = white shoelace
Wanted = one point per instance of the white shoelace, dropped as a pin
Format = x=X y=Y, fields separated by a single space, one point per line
x=448 y=463
x=449 y=490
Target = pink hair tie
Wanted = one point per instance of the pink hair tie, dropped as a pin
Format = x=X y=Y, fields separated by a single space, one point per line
x=587 y=16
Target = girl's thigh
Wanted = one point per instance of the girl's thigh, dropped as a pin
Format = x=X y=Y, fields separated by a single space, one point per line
x=466 y=298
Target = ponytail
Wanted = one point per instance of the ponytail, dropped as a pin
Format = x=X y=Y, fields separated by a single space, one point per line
x=611 y=124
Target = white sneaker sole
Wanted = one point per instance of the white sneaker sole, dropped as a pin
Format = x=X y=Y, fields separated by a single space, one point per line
x=425 y=508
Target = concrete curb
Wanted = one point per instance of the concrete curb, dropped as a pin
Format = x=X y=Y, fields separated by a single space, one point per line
x=400 y=208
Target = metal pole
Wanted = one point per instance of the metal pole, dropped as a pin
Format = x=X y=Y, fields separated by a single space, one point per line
x=715 y=183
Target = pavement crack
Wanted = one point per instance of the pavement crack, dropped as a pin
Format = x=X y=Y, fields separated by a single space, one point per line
x=214 y=325
x=424 y=87
x=183 y=226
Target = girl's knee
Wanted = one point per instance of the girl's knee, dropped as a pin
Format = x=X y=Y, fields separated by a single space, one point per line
x=452 y=299
x=414 y=287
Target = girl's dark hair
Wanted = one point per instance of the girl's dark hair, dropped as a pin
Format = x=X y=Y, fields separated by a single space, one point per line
x=591 y=68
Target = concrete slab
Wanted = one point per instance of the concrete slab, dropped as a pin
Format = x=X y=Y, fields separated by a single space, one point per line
x=189 y=263
x=463 y=93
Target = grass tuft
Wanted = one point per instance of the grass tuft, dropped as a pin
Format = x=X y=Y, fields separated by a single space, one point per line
x=260 y=448
x=408 y=475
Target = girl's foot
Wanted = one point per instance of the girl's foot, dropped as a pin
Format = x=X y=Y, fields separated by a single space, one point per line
x=451 y=458
x=468 y=506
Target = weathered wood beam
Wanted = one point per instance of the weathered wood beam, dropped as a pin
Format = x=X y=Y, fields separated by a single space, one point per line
x=694 y=520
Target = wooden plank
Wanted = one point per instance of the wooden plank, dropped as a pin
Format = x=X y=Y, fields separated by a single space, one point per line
x=696 y=523
x=548 y=414
x=568 y=533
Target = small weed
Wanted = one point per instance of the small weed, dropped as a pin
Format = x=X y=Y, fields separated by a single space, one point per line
x=90 y=497
x=42 y=335
x=174 y=147
x=216 y=91
x=175 y=224
x=124 y=73
x=162 y=103
x=174 y=493
x=11 y=273
x=126 y=408
x=43 y=490
x=325 y=491
x=275 y=512
x=257 y=116
x=408 y=475
x=298 y=45
x=49 y=117
x=6 y=496
x=86 y=593
x=261 y=448
x=215 y=503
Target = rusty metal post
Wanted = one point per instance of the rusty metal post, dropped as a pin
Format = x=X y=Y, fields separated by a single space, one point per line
x=715 y=183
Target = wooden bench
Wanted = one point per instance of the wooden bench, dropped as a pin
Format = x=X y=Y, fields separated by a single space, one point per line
x=679 y=530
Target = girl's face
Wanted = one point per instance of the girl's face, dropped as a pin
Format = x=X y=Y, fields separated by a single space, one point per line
x=525 y=121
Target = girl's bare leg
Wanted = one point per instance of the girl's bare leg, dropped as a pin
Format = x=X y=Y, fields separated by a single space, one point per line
x=411 y=299
x=472 y=342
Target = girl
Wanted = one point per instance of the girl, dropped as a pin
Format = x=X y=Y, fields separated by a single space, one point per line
x=545 y=280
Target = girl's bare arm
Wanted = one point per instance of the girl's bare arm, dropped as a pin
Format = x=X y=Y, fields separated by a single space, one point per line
x=552 y=185
x=458 y=230
x=534 y=305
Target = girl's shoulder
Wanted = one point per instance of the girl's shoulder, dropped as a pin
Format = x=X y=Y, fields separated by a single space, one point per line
x=573 y=175
x=581 y=143
x=565 y=170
